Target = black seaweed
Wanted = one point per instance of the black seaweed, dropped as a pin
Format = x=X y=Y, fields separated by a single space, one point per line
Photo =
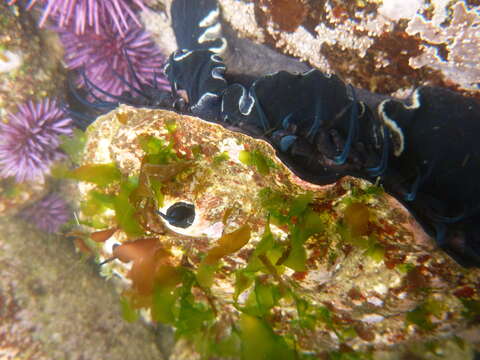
x=190 y=19
x=425 y=151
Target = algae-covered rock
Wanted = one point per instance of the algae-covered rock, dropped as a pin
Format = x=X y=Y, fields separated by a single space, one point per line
x=14 y=196
x=272 y=266
x=379 y=45
x=30 y=60
x=30 y=69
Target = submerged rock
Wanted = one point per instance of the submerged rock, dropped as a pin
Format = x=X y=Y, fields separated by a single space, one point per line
x=271 y=264
x=30 y=70
x=30 y=60
x=53 y=304
x=14 y=197
x=381 y=46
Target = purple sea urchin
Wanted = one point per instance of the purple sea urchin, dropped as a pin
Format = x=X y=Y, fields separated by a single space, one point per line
x=29 y=140
x=111 y=61
x=48 y=214
x=83 y=13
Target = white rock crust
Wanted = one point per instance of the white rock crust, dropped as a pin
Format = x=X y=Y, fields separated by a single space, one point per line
x=9 y=61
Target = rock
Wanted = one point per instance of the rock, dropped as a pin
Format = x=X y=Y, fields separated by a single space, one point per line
x=55 y=306
x=30 y=69
x=30 y=60
x=14 y=196
x=270 y=264
x=382 y=46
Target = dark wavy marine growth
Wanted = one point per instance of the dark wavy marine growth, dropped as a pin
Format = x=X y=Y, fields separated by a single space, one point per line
x=423 y=150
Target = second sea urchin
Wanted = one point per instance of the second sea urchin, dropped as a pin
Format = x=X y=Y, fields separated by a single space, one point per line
x=111 y=62
x=84 y=13
x=29 y=140
x=48 y=214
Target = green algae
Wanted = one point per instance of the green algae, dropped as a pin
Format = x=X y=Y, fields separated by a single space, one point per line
x=129 y=314
x=302 y=222
x=163 y=301
x=73 y=145
x=259 y=341
x=97 y=203
x=98 y=174
x=471 y=309
x=191 y=316
x=421 y=315
x=257 y=159
x=157 y=150
x=124 y=210
x=218 y=159
x=156 y=187
x=205 y=274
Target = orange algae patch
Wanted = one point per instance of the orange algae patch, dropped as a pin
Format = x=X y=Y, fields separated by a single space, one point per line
x=288 y=15
x=82 y=246
x=136 y=250
x=103 y=235
x=228 y=244
x=122 y=118
x=150 y=263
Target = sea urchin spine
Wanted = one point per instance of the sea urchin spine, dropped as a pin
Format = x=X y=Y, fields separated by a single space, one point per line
x=84 y=13
x=112 y=62
x=29 y=140
x=48 y=214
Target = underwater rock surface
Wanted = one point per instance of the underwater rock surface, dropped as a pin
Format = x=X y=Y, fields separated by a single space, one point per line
x=53 y=304
x=24 y=75
x=381 y=46
x=271 y=266
x=13 y=196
